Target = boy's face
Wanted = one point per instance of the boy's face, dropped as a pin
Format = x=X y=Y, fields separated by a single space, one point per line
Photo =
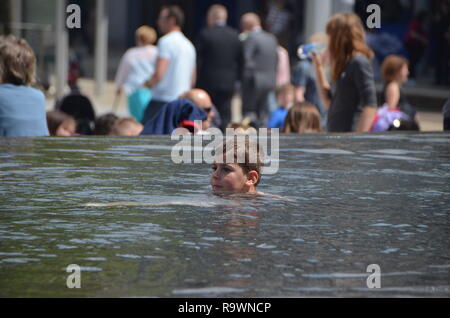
x=230 y=177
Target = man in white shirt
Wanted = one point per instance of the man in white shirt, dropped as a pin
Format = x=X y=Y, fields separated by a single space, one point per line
x=175 y=71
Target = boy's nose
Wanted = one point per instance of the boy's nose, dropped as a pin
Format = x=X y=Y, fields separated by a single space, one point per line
x=215 y=174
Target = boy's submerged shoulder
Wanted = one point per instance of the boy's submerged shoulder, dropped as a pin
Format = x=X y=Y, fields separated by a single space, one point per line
x=274 y=196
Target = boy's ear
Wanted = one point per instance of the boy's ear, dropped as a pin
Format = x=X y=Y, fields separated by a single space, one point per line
x=252 y=177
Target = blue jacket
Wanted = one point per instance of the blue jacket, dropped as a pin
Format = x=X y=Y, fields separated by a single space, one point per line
x=170 y=117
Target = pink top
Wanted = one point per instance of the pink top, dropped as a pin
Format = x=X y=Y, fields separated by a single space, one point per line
x=284 y=69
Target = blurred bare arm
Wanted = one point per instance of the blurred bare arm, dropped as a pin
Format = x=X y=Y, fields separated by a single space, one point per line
x=299 y=94
x=162 y=64
x=322 y=82
x=366 y=119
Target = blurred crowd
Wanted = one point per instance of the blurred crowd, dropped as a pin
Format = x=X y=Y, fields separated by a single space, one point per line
x=172 y=82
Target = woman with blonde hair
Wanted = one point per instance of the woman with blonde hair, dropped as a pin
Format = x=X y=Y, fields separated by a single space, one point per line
x=351 y=99
x=302 y=118
x=137 y=66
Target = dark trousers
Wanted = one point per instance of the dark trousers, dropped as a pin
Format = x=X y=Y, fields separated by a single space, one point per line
x=222 y=101
x=255 y=100
x=447 y=124
x=152 y=109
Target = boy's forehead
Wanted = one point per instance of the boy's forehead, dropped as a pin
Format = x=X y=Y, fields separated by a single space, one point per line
x=234 y=165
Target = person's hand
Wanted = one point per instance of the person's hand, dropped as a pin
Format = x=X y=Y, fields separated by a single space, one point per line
x=118 y=91
x=317 y=59
x=148 y=84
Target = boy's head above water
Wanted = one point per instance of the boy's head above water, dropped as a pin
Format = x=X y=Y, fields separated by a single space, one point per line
x=237 y=167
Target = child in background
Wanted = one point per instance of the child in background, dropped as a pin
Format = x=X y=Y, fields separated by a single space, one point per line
x=395 y=72
x=60 y=124
x=104 y=124
x=395 y=104
x=127 y=127
x=302 y=118
x=285 y=99
x=235 y=177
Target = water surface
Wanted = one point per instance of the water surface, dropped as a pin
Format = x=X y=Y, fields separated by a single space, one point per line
x=355 y=200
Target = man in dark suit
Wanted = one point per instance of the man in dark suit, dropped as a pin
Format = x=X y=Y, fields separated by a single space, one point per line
x=219 y=54
x=259 y=70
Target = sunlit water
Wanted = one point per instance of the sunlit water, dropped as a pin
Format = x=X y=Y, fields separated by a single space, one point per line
x=356 y=200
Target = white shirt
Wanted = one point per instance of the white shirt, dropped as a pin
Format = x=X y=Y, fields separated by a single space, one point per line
x=136 y=67
x=178 y=77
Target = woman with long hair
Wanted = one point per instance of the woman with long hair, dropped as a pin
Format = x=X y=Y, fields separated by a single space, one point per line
x=351 y=99
x=302 y=118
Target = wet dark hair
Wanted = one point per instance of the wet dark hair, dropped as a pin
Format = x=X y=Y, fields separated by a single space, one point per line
x=250 y=148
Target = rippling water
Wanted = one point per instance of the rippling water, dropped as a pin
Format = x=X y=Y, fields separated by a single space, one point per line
x=355 y=200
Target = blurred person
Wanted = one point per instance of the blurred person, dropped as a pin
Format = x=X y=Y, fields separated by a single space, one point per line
x=302 y=118
x=77 y=105
x=446 y=114
x=201 y=98
x=242 y=128
x=104 y=124
x=441 y=33
x=351 y=101
x=395 y=72
x=22 y=108
x=219 y=58
x=283 y=67
x=416 y=40
x=304 y=78
x=60 y=124
x=180 y=113
x=283 y=76
x=135 y=68
x=260 y=62
x=126 y=127
x=285 y=99
x=175 y=71
x=278 y=19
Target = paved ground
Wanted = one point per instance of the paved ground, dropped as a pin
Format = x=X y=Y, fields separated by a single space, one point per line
x=428 y=120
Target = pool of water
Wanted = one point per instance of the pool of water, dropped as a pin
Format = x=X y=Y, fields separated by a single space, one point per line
x=355 y=200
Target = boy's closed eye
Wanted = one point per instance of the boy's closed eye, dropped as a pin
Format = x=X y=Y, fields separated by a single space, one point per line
x=225 y=168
